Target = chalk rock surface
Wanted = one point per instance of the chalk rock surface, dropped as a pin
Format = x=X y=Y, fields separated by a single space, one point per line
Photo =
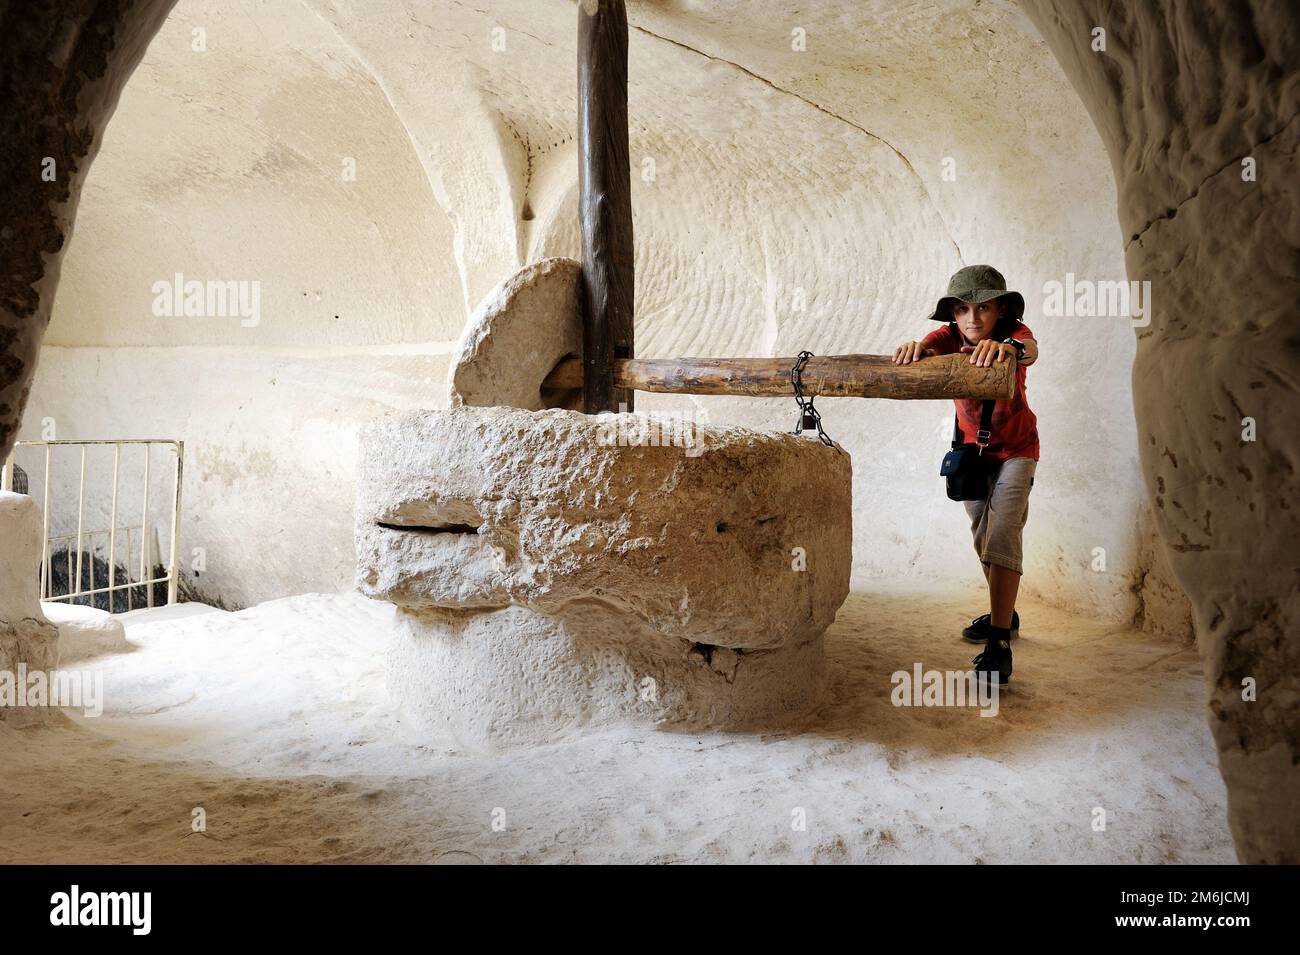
x=546 y=570
x=518 y=333
x=516 y=676
x=84 y=631
x=739 y=540
x=26 y=637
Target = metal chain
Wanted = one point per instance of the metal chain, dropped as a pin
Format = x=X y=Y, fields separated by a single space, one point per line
x=807 y=413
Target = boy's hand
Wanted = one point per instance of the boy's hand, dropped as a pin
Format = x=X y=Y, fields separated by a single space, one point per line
x=912 y=351
x=988 y=351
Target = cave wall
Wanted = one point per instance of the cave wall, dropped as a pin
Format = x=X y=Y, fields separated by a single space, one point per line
x=268 y=156
x=1188 y=97
x=784 y=199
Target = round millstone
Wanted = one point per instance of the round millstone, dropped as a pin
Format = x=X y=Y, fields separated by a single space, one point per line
x=516 y=336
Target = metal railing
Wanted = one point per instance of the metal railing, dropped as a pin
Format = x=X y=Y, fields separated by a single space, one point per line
x=145 y=576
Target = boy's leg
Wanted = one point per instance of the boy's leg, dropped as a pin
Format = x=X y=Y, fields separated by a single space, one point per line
x=978 y=512
x=1008 y=509
x=1003 y=586
x=979 y=524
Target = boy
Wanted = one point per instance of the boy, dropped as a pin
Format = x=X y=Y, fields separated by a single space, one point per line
x=983 y=319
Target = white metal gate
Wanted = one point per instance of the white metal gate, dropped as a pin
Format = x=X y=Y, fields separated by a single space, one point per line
x=84 y=538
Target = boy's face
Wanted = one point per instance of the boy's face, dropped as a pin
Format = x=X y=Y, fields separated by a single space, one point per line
x=976 y=320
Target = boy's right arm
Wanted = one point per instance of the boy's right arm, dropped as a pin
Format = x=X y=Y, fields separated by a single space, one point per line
x=935 y=343
x=909 y=352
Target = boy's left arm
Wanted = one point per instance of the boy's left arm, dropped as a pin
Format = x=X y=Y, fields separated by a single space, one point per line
x=1031 y=351
x=1026 y=337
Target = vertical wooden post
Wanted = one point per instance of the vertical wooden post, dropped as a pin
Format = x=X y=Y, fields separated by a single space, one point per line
x=605 y=197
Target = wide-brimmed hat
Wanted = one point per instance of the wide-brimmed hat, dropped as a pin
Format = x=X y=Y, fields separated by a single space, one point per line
x=978 y=283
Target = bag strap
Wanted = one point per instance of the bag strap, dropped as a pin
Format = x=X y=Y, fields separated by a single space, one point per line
x=985 y=431
x=986 y=425
x=986 y=417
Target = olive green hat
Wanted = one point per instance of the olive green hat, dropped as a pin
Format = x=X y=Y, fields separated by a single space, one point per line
x=978 y=283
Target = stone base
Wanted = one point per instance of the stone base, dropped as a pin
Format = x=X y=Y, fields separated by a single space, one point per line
x=550 y=574
x=514 y=676
x=26 y=637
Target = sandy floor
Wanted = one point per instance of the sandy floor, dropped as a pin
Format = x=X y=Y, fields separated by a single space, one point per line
x=274 y=720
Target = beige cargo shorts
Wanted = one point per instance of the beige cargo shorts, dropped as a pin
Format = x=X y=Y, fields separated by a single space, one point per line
x=997 y=523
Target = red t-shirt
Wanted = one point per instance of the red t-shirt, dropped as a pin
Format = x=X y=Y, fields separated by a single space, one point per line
x=1015 y=427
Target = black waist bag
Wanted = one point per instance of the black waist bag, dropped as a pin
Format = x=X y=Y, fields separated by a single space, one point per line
x=963 y=466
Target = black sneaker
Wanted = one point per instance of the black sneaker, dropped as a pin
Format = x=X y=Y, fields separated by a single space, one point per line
x=995 y=662
x=978 y=631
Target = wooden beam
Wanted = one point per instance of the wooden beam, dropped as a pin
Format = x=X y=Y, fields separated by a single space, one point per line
x=605 y=201
x=856 y=376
